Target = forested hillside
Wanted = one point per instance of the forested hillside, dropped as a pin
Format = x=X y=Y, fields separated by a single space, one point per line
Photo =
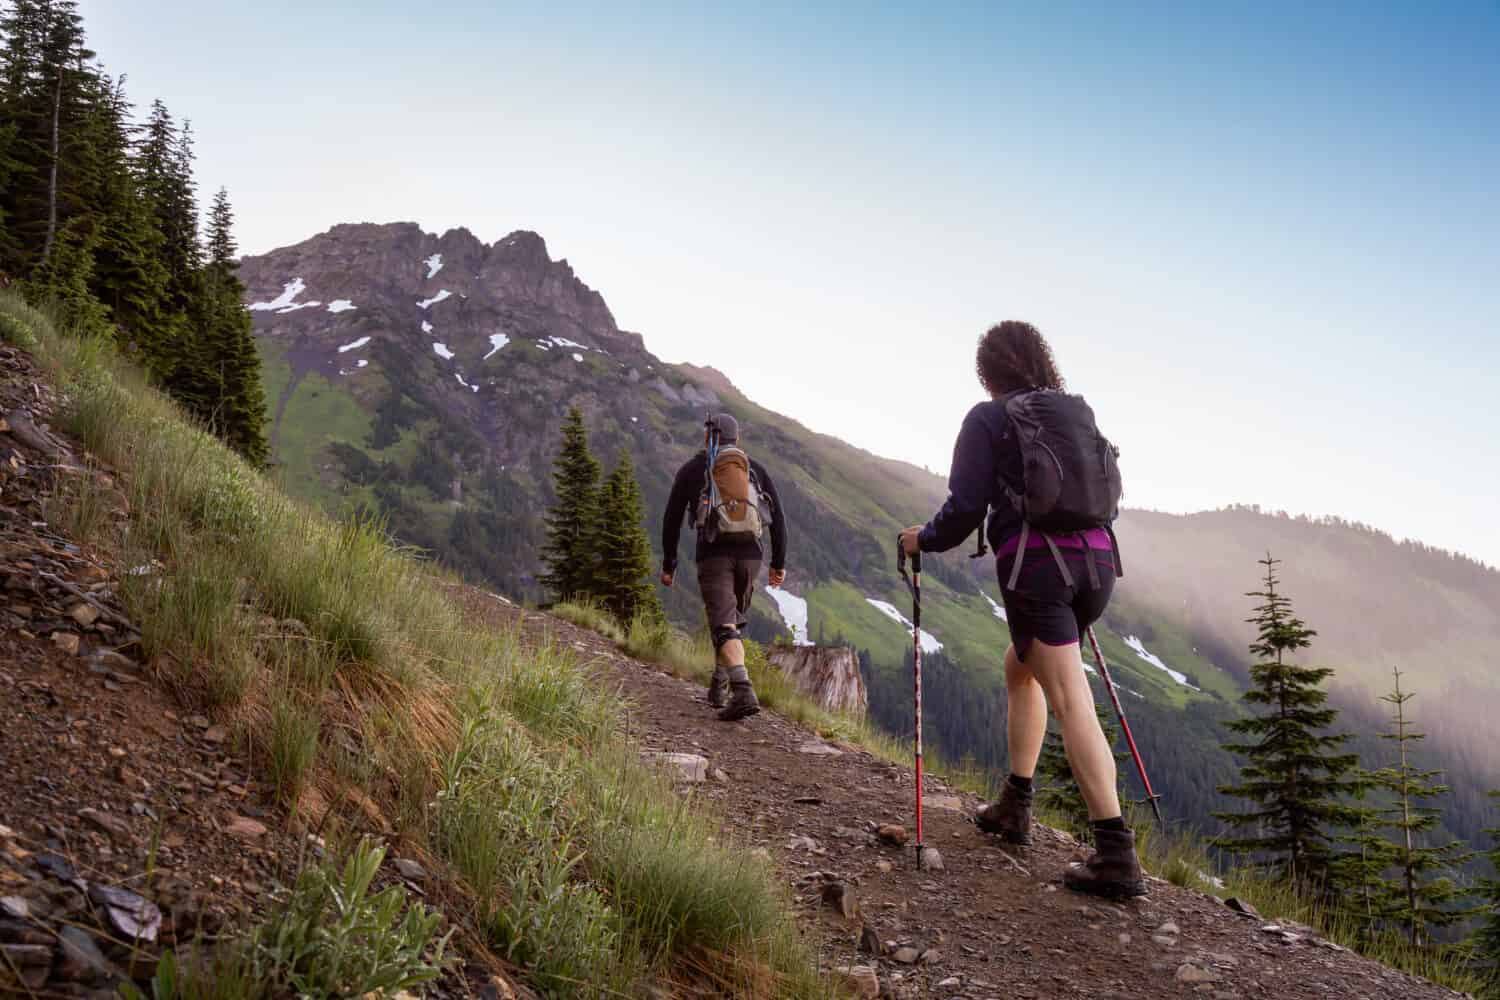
x=99 y=220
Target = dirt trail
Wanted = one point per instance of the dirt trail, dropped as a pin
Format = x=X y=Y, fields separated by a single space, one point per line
x=995 y=922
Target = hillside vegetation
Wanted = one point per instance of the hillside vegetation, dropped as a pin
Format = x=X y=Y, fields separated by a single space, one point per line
x=575 y=861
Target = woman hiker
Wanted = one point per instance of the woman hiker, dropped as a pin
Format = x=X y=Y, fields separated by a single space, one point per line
x=1046 y=611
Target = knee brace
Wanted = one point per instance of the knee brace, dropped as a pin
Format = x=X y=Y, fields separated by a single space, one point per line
x=723 y=634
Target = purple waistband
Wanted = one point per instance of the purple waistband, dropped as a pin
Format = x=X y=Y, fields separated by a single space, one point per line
x=1097 y=538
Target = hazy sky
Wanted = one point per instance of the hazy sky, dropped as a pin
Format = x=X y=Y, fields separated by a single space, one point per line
x=1265 y=242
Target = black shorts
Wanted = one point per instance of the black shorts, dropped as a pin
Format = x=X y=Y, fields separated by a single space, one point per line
x=1043 y=606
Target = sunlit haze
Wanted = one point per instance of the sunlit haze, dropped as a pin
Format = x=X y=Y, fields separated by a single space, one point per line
x=1264 y=244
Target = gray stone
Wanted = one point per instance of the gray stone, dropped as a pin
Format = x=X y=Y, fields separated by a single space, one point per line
x=906 y=955
x=1241 y=907
x=15 y=907
x=951 y=983
x=133 y=917
x=688 y=768
x=932 y=860
x=410 y=869
x=79 y=958
x=1187 y=972
x=818 y=748
x=839 y=897
x=1168 y=928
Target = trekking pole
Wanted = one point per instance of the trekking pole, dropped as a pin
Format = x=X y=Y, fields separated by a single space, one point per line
x=1109 y=684
x=914 y=584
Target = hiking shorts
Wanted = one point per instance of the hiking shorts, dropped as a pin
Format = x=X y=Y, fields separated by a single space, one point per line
x=1043 y=605
x=727 y=583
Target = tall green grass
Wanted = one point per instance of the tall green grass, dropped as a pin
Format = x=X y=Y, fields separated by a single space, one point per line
x=341 y=662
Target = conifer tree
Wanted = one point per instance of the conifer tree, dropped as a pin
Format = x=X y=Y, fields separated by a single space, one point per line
x=1486 y=940
x=622 y=582
x=1423 y=898
x=1295 y=778
x=236 y=405
x=1365 y=893
x=569 y=551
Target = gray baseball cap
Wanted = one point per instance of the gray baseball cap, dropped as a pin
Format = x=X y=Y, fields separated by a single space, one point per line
x=729 y=428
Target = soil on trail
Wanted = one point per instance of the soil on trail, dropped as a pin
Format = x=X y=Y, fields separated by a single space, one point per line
x=995 y=922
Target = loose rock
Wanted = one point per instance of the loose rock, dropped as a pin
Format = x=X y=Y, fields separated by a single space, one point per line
x=892 y=833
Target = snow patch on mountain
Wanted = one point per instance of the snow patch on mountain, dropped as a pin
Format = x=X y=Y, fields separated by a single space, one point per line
x=441 y=350
x=434 y=264
x=440 y=296
x=300 y=305
x=460 y=377
x=353 y=345
x=289 y=293
x=927 y=640
x=497 y=341
x=793 y=611
x=1140 y=650
x=577 y=356
x=361 y=363
x=997 y=609
x=340 y=305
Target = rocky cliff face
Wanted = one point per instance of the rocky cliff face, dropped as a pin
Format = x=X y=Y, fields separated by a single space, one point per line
x=827 y=674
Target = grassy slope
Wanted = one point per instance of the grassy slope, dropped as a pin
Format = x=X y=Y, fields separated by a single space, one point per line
x=340 y=661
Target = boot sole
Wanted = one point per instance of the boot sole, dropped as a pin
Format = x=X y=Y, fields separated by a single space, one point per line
x=738 y=714
x=1108 y=890
x=1008 y=836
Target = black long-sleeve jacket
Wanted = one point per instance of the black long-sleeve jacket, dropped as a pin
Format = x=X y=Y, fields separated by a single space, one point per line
x=685 y=491
x=985 y=452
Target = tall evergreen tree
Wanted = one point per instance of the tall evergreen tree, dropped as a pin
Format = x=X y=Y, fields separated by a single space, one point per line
x=1424 y=898
x=622 y=582
x=569 y=551
x=1486 y=940
x=1294 y=777
x=235 y=400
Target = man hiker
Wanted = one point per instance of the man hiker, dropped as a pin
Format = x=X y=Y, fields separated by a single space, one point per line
x=732 y=497
x=1055 y=581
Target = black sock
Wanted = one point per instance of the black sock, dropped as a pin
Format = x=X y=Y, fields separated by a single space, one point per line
x=1116 y=825
x=1020 y=784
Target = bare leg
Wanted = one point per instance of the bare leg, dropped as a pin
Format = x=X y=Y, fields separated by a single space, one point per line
x=732 y=654
x=1059 y=669
x=1026 y=715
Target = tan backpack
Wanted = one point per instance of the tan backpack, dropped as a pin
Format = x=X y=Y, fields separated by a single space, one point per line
x=730 y=505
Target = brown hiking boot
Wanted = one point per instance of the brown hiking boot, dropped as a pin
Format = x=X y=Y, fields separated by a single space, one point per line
x=1112 y=871
x=718 y=687
x=1010 y=818
x=742 y=703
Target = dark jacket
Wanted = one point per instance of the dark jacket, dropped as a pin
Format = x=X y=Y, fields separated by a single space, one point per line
x=686 y=489
x=985 y=451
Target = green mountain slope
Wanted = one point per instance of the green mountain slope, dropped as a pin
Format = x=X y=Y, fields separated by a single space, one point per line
x=423 y=379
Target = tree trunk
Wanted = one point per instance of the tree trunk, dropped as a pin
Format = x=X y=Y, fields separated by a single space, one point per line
x=52 y=184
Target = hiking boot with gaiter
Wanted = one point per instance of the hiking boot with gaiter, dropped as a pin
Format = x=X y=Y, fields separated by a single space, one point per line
x=1112 y=871
x=718 y=688
x=1009 y=818
x=742 y=700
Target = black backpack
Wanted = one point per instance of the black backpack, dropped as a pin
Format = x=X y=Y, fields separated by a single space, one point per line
x=1070 y=473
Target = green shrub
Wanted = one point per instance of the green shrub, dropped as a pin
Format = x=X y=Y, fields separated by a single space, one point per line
x=330 y=937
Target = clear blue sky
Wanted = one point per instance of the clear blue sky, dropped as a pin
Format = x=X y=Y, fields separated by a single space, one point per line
x=1265 y=240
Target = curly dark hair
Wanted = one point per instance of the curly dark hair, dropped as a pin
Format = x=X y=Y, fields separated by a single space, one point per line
x=1013 y=356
